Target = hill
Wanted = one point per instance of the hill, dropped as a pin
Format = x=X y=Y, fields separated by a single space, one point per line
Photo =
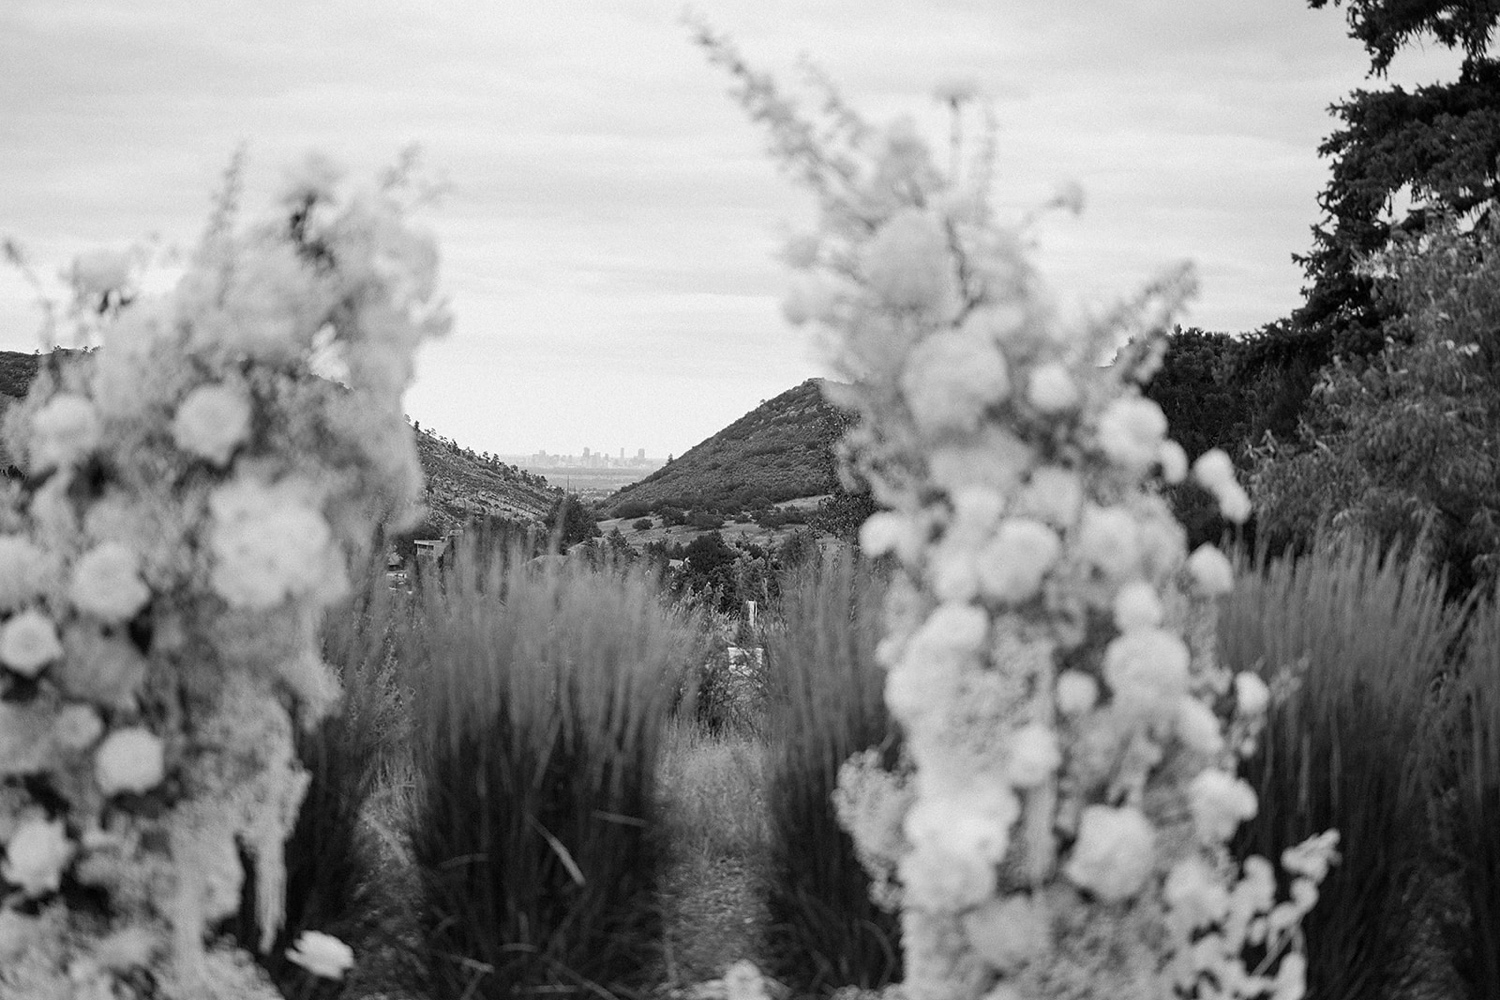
x=781 y=450
x=460 y=484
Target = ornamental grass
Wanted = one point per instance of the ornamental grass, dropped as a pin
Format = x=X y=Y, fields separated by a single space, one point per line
x=825 y=932
x=328 y=864
x=1352 y=641
x=1472 y=773
x=542 y=691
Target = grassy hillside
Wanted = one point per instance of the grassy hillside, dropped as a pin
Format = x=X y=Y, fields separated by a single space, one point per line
x=778 y=451
x=460 y=484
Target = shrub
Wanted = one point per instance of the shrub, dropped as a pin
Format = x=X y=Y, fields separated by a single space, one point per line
x=1354 y=640
x=828 y=705
x=644 y=524
x=539 y=716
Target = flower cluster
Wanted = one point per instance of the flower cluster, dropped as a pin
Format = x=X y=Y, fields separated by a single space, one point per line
x=195 y=493
x=1072 y=741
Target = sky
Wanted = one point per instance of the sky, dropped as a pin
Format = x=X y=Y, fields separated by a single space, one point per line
x=611 y=223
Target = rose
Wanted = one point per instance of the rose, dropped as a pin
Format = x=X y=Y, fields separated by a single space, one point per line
x=1013 y=564
x=1137 y=606
x=906 y=264
x=1051 y=389
x=107 y=584
x=1219 y=802
x=268 y=545
x=1130 y=432
x=1174 y=461
x=63 y=431
x=1053 y=494
x=129 y=760
x=1147 y=670
x=212 y=421
x=1211 y=571
x=1076 y=692
x=77 y=727
x=25 y=570
x=1008 y=932
x=1198 y=727
x=36 y=854
x=950 y=379
x=1114 y=852
x=322 y=954
x=28 y=642
x=1107 y=540
x=1251 y=696
x=1195 y=894
x=1034 y=756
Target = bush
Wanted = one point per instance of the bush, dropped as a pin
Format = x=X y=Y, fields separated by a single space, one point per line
x=539 y=716
x=644 y=524
x=828 y=704
x=1354 y=640
x=671 y=517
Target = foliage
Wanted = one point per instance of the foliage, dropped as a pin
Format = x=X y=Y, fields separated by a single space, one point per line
x=543 y=695
x=1384 y=26
x=781 y=450
x=644 y=524
x=1407 y=443
x=570 y=521
x=826 y=930
x=1049 y=643
x=1351 y=640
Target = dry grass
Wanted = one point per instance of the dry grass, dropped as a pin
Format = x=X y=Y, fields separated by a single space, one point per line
x=714 y=794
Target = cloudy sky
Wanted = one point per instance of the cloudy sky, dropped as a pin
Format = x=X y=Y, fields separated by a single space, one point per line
x=609 y=236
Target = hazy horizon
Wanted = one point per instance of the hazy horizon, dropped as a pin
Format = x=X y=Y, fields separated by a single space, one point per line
x=610 y=234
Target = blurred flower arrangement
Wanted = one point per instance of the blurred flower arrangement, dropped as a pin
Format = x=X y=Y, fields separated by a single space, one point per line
x=194 y=494
x=1060 y=828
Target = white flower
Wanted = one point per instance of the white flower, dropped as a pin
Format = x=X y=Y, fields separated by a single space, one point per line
x=1313 y=857
x=1013 y=564
x=1147 y=670
x=1219 y=803
x=1130 y=432
x=1051 y=388
x=1137 y=606
x=1053 y=494
x=1195 y=893
x=1291 y=977
x=107 y=584
x=1198 y=727
x=269 y=545
x=129 y=760
x=950 y=379
x=322 y=954
x=935 y=879
x=99 y=271
x=1214 y=471
x=997 y=459
x=908 y=264
x=1114 y=852
x=1008 y=932
x=28 y=642
x=212 y=421
x=974 y=821
x=1174 y=461
x=1107 y=540
x=77 y=727
x=1076 y=692
x=1212 y=573
x=25 y=570
x=1251 y=696
x=952 y=630
x=314 y=178
x=63 y=431
x=1034 y=756
x=1234 y=504
x=36 y=854
x=884 y=532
